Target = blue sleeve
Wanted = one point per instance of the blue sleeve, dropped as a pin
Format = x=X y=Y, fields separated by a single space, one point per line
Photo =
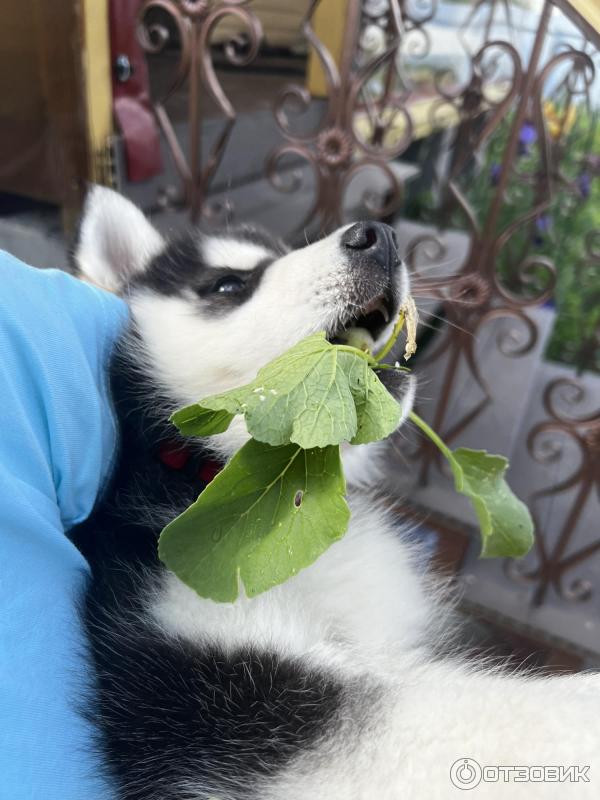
x=57 y=440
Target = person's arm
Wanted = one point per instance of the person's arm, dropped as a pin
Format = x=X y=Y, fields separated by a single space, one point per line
x=57 y=441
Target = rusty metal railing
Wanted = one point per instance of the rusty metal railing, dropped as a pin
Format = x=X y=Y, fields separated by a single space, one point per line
x=195 y=21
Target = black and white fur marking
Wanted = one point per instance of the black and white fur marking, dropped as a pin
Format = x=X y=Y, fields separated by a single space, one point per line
x=329 y=687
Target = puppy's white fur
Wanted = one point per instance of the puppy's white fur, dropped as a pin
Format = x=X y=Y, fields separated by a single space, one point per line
x=116 y=241
x=364 y=610
x=218 y=252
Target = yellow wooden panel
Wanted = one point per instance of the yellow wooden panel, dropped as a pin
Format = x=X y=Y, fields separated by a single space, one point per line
x=446 y=116
x=96 y=66
x=589 y=10
x=329 y=22
x=420 y=113
x=281 y=22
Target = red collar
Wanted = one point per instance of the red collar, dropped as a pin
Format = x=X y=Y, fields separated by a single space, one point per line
x=177 y=456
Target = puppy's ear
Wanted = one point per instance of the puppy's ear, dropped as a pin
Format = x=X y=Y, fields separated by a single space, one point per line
x=115 y=240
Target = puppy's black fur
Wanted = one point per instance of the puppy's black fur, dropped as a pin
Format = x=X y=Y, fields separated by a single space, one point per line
x=170 y=713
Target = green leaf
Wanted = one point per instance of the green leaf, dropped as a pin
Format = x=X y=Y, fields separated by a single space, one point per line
x=314 y=395
x=378 y=413
x=505 y=522
x=271 y=512
x=195 y=420
x=279 y=503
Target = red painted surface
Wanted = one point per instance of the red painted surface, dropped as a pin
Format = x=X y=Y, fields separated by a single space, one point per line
x=131 y=97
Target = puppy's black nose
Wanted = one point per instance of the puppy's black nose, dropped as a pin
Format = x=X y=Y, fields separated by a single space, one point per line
x=372 y=240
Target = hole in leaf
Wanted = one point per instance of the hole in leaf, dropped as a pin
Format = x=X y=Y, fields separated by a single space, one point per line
x=298 y=499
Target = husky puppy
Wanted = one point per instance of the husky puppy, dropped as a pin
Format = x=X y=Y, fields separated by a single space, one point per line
x=333 y=685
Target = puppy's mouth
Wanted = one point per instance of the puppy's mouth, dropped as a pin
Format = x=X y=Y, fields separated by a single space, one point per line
x=364 y=325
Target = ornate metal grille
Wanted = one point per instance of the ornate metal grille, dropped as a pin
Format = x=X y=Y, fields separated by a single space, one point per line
x=527 y=91
x=195 y=21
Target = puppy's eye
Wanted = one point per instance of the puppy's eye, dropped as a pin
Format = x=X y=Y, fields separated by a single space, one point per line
x=230 y=285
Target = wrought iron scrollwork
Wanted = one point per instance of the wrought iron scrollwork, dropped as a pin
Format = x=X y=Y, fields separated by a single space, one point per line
x=366 y=122
x=194 y=21
x=546 y=442
x=481 y=291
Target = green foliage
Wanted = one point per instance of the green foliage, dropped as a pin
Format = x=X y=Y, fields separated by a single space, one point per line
x=558 y=234
x=316 y=394
x=505 y=523
x=197 y=421
x=504 y=520
x=271 y=512
x=279 y=503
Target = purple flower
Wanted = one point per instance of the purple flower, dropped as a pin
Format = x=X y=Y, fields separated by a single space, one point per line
x=584 y=184
x=543 y=224
x=527 y=137
x=495 y=171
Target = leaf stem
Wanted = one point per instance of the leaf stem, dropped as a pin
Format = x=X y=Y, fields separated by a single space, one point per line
x=392 y=340
x=349 y=349
x=420 y=423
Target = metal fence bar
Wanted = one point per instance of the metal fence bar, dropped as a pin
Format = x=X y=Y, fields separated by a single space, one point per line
x=195 y=21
